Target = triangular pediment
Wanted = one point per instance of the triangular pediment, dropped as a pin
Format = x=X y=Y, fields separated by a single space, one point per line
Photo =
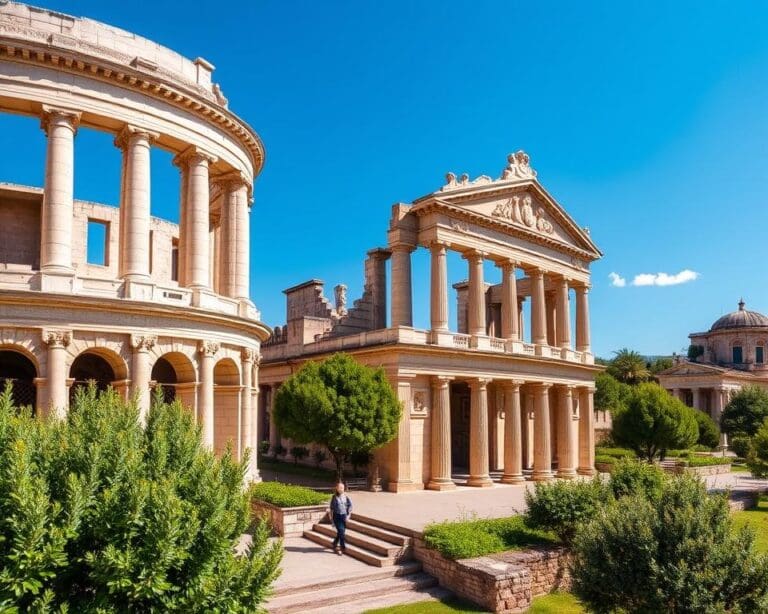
x=693 y=368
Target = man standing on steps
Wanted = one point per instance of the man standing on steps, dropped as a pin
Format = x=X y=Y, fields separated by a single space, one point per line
x=340 y=511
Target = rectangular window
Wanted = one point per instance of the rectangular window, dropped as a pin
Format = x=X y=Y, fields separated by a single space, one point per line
x=97 y=239
x=175 y=260
x=759 y=354
x=737 y=355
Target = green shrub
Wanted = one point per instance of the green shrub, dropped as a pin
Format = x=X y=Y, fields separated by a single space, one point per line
x=757 y=459
x=98 y=514
x=678 y=555
x=264 y=447
x=709 y=434
x=561 y=506
x=632 y=477
x=707 y=461
x=615 y=452
x=465 y=539
x=702 y=448
x=740 y=444
x=286 y=495
x=605 y=460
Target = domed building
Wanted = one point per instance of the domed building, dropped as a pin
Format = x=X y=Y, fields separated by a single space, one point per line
x=731 y=354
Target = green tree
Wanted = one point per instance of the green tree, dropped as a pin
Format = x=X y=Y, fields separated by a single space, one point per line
x=653 y=420
x=678 y=555
x=757 y=456
x=709 y=434
x=610 y=393
x=746 y=412
x=629 y=367
x=339 y=403
x=98 y=514
x=662 y=363
x=694 y=352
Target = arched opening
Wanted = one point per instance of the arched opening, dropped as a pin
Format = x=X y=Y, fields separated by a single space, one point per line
x=175 y=375
x=21 y=372
x=226 y=403
x=92 y=366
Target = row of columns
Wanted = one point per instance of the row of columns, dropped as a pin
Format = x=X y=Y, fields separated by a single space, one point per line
x=57 y=342
x=511 y=329
x=574 y=405
x=61 y=126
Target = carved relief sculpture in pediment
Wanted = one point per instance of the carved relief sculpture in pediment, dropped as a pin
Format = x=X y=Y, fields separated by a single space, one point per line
x=520 y=210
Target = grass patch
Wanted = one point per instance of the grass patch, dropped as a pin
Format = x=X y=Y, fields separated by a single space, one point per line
x=285 y=495
x=615 y=452
x=432 y=606
x=465 y=539
x=556 y=603
x=756 y=518
x=739 y=469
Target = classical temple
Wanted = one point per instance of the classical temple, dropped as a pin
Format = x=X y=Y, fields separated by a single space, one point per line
x=164 y=305
x=730 y=355
x=498 y=394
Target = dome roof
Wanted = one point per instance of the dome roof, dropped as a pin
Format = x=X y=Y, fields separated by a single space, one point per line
x=740 y=319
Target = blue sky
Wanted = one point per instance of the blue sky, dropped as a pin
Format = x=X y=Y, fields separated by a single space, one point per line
x=647 y=121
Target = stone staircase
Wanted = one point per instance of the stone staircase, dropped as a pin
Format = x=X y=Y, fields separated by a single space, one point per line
x=369 y=540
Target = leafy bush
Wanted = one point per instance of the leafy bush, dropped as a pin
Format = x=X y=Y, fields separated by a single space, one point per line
x=465 y=539
x=677 y=555
x=757 y=459
x=286 y=495
x=299 y=453
x=98 y=514
x=745 y=412
x=707 y=461
x=615 y=452
x=632 y=477
x=709 y=434
x=605 y=460
x=740 y=444
x=320 y=456
x=561 y=506
x=610 y=393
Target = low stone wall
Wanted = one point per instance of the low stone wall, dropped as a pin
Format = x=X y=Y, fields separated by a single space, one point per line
x=700 y=471
x=506 y=582
x=289 y=521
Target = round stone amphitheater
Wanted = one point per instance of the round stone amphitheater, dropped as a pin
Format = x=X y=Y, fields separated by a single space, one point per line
x=168 y=305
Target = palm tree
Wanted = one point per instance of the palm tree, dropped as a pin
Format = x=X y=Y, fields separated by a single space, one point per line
x=629 y=367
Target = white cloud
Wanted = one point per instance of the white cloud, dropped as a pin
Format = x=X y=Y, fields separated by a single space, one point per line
x=664 y=279
x=617 y=280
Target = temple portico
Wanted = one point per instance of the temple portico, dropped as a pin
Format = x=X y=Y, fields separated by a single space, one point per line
x=500 y=394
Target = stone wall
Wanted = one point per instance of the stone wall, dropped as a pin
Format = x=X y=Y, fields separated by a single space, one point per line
x=289 y=521
x=20 y=221
x=506 y=582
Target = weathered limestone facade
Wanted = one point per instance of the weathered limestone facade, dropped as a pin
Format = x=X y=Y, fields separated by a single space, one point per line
x=497 y=395
x=167 y=305
x=733 y=356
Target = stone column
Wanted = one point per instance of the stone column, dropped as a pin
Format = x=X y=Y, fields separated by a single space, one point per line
x=586 y=431
x=478 y=434
x=242 y=260
x=141 y=373
x=136 y=145
x=183 y=274
x=542 y=451
x=402 y=445
x=696 y=398
x=538 y=308
x=440 y=439
x=274 y=434
x=566 y=461
x=550 y=300
x=58 y=397
x=439 y=288
x=563 y=314
x=58 y=195
x=207 y=351
x=582 y=318
x=234 y=237
x=197 y=218
x=476 y=294
x=513 y=435
x=509 y=308
x=248 y=435
x=401 y=295
x=520 y=319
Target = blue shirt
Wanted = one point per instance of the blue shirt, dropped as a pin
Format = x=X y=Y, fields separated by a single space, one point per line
x=341 y=505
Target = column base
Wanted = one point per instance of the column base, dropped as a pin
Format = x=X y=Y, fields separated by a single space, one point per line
x=205 y=298
x=138 y=289
x=480 y=481
x=480 y=342
x=517 y=478
x=404 y=486
x=57 y=280
x=586 y=471
x=441 y=484
x=567 y=474
x=441 y=337
x=542 y=476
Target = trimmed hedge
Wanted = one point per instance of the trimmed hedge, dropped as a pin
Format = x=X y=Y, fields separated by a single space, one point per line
x=465 y=539
x=605 y=460
x=615 y=452
x=285 y=495
x=705 y=461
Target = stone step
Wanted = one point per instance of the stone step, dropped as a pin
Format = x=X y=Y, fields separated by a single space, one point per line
x=399 y=570
x=341 y=594
x=378 y=532
x=363 y=540
x=385 y=601
x=361 y=554
x=385 y=525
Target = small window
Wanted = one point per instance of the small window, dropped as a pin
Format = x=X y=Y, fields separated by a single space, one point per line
x=738 y=356
x=759 y=355
x=175 y=260
x=96 y=242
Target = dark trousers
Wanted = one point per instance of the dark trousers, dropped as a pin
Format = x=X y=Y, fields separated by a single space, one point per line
x=340 y=522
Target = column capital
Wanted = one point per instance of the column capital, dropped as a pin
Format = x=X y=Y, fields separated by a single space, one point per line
x=479 y=382
x=56 y=338
x=130 y=133
x=57 y=115
x=512 y=384
x=232 y=180
x=193 y=155
x=534 y=271
x=474 y=255
x=402 y=247
x=207 y=348
x=438 y=246
x=143 y=343
x=505 y=264
x=440 y=381
x=582 y=286
x=541 y=386
x=250 y=355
